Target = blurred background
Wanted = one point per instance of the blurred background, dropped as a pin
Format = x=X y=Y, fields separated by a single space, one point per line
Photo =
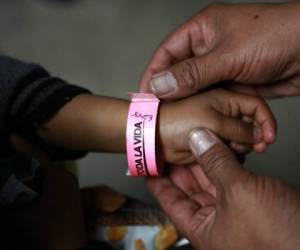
x=104 y=45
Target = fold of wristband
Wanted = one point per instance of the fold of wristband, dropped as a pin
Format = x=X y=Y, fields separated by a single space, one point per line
x=140 y=135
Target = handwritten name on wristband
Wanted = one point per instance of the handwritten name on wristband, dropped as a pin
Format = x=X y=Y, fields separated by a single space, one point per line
x=140 y=135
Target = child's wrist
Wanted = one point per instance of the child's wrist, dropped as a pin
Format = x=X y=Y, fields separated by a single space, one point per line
x=121 y=123
x=161 y=126
x=141 y=135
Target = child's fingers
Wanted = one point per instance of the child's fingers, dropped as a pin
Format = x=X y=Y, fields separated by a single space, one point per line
x=239 y=148
x=260 y=111
x=260 y=147
x=234 y=129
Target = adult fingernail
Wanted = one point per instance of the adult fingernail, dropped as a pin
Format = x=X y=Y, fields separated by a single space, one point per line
x=258 y=134
x=201 y=140
x=163 y=83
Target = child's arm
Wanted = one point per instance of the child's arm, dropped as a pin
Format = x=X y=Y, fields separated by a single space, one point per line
x=47 y=110
x=89 y=123
x=29 y=97
x=95 y=123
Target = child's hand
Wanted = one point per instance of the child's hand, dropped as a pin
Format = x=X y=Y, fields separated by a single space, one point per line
x=239 y=119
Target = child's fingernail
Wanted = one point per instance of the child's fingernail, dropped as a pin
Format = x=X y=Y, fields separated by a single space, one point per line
x=270 y=135
x=201 y=140
x=163 y=83
x=258 y=134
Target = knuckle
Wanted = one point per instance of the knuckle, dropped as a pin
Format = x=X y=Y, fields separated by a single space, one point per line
x=249 y=98
x=259 y=104
x=257 y=100
x=215 y=159
x=268 y=188
x=189 y=74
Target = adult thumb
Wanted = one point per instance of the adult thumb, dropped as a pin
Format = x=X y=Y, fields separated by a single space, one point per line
x=190 y=76
x=216 y=159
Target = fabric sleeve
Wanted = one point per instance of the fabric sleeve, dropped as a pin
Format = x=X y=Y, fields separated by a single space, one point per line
x=29 y=97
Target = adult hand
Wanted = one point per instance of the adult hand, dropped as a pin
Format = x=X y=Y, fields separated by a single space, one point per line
x=254 y=45
x=235 y=209
x=239 y=119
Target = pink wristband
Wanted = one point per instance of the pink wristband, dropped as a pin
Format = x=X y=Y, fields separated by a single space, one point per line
x=140 y=135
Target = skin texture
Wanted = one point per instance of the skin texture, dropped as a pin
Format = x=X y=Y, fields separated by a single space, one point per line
x=250 y=48
x=258 y=54
x=219 y=110
x=230 y=208
x=105 y=122
x=89 y=123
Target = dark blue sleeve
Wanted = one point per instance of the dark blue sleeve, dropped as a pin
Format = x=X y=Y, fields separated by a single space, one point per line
x=29 y=97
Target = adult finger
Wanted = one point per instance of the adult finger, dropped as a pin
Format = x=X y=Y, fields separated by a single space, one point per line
x=218 y=162
x=163 y=58
x=191 y=75
x=193 y=38
x=273 y=90
x=202 y=180
x=184 y=179
x=177 y=205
